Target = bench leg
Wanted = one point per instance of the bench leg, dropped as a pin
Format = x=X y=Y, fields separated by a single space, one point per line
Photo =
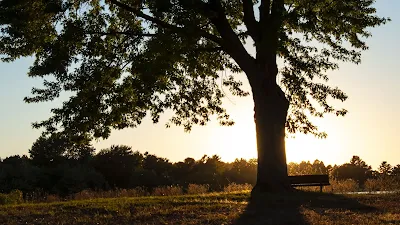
x=320 y=188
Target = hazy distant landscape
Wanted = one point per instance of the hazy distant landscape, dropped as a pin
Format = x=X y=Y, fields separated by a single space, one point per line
x=51 y=173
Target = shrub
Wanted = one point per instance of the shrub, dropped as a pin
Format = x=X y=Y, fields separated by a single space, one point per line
x=237 y=187
x=117 y=193
x=52 y=198
x=197 y=189
x=167 y=191
x=341 y=186
x=38 y=195
x=14 y=197
x=135 y=192
x=77 y=178
x=387 y=183
x=372 y=185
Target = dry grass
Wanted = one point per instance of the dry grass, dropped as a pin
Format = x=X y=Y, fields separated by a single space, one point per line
x=233 y=187
x=382 y=184
x=14 y=197
x=118 y=193
x=194 y=189
x=214 y=208
x=167 y=191
x=344 y=186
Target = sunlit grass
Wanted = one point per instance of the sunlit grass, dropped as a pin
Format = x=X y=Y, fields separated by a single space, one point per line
x=212 y=208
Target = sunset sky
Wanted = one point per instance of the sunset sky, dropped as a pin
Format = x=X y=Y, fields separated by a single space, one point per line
x=370 y=129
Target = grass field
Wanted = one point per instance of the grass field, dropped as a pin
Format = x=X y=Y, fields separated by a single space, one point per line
x=217 y=208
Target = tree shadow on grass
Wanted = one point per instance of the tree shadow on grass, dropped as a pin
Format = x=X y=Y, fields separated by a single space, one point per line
x=290 y=208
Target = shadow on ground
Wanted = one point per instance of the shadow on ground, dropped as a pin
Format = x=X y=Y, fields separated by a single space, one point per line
x=291 y=208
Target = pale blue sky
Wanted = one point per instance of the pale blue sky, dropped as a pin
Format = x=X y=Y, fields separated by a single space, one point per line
x=370 y=130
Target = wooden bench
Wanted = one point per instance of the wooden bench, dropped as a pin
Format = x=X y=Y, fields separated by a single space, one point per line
x=309 y=180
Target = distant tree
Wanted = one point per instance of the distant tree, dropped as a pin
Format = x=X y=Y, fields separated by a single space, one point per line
x=182 y=171
x=53 y=149
x=75 y=178
x=158 y=170
x=17 y=172
x=292 y=168
x=209 y=170
x=242 y=171
x=329 y=168
x=123 y=59
x=46 y=151
x=117 y=164
x=396 y=170
x=385 y=169
x=161 y=166
x=15 y=160
x=357 y=161
x=318 y=167
x=357 y=170
x=306 y=168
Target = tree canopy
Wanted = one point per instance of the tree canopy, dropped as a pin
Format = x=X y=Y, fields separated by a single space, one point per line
x=121 y=60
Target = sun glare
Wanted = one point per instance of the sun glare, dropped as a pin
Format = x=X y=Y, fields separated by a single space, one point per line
x=239 y=141
x=303 y=148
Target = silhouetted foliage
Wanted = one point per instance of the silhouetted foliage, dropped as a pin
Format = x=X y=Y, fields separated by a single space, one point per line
x=55 y=148
x=396 y=170
x=119 y=167
x=304 y=168
x=18 y=173
x=117 y=164
x=242 y=171
x=123 y=60
x=385 y=169
x=357 y=170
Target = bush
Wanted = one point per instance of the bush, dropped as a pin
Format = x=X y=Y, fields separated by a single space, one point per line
x=167 y=191
x=77 y=178
x=348 y=185
x=237 y=187
x=14 y=197
x=197 y=189
x=387 y=183
x=372 y=185
x=52 y=198
x=117 y=193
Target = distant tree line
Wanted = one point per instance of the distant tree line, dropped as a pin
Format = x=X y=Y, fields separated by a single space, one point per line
x=356 y=170
x=59 y=166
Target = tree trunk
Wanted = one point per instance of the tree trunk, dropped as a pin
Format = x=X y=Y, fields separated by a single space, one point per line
x=271 y=108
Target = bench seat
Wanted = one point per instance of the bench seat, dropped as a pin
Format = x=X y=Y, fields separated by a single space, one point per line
x=309 y=180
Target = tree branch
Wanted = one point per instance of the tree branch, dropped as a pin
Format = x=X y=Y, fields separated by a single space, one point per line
x=278 y=7
x=164 y=24
x=208 y=49
x=127 y=33
x=271 y=17
x=264 y=10
x=265 y=35
x=249 y=19
x=232 y=44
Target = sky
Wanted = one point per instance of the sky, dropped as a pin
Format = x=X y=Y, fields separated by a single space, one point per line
x=370 y=129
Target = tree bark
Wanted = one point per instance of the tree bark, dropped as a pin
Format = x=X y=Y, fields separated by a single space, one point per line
x=271 y=108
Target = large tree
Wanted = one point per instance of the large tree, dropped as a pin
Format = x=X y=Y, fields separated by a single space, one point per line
x=120 y=60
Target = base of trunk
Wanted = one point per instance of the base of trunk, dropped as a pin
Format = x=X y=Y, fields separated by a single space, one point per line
x=269 y=188
x=271 y=109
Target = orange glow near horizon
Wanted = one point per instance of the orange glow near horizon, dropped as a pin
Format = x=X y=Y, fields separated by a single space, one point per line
x=239 y=141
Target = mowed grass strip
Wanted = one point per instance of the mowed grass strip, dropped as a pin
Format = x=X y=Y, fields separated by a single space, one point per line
x=215 y=208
